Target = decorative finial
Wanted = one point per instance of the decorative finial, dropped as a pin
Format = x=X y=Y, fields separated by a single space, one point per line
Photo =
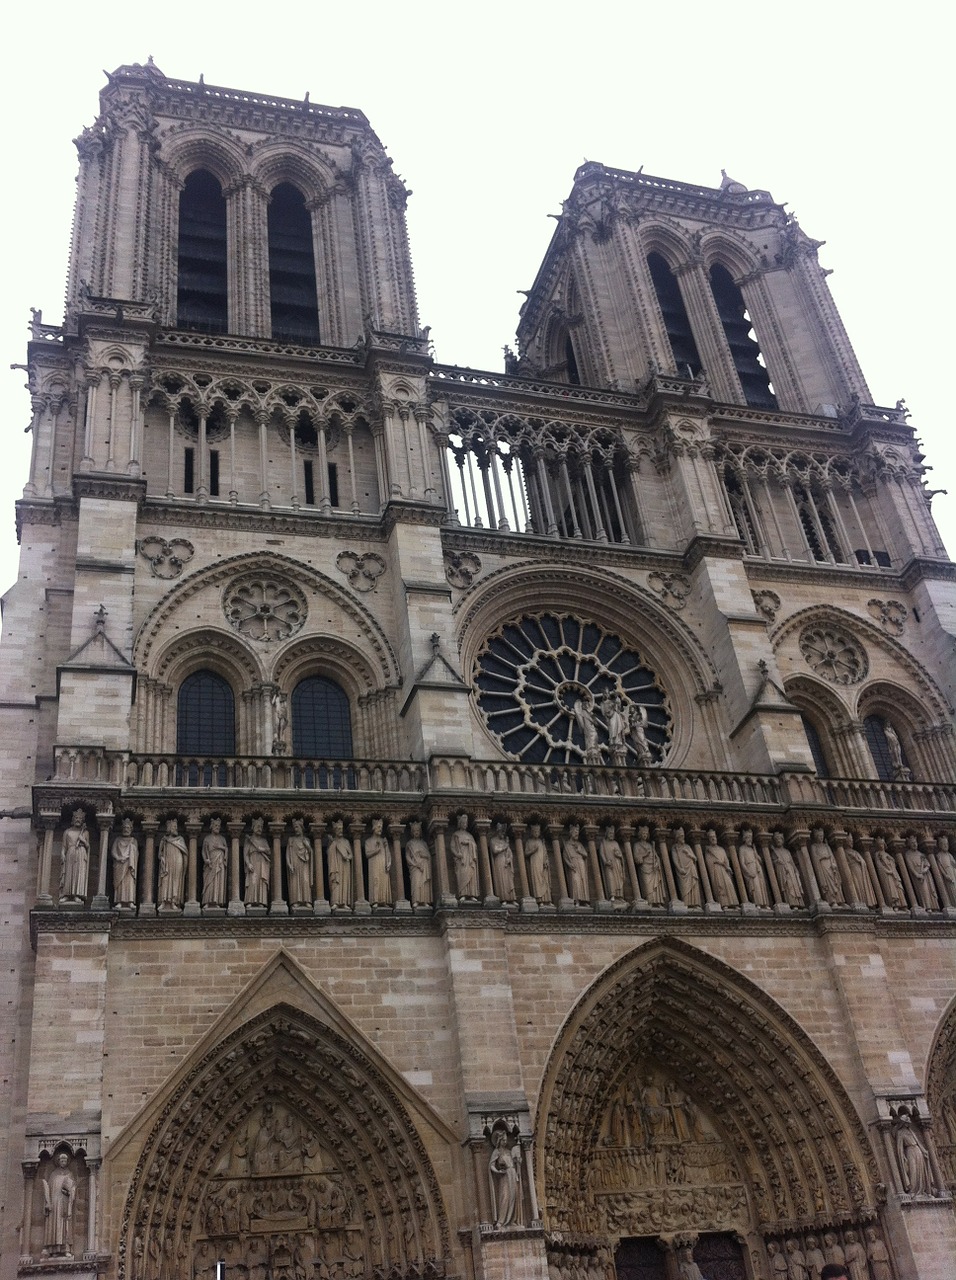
x=100 y=616
x=436 y=642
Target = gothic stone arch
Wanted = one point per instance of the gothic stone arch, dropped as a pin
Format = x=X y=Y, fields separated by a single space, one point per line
x=941 y=1095
x=679 y=1098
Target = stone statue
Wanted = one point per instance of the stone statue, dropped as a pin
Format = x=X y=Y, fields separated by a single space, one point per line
x=611 y=857
x=215 y=858
x=615 y=717
x=917 y=864
x=687 y=1268
x=893 y=889
x=862 y=889
x=796 y=1261
x=649 y=870
x=947 y=868
x=778 y=1261
x=833 y=1250
x=502 y=863
x=912 y=1157
x=786 y=869
x=504 y=1171
x=637 y=732
x=685 y=868
x=378 y=862
x=718 y=868
x=257 y=861
x=418 y=859
x=583 y=715
x=828 y=873
x=298 y=862
x=59 y=1197
x=815 y=1258
x=339 y=853
x=574 y=855
x=75 y=864
x=539 y=874
x=125 y=855
x=464 y=854
x=894 y=747
x=877 y=1255
x=280 y=721
x=751 y=868
x=855 y=1257
x=173 y=856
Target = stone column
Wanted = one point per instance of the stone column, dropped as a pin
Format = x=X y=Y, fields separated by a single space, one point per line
x=236 y=905
x=192 y=907
x=278 y=906
x=147 y=902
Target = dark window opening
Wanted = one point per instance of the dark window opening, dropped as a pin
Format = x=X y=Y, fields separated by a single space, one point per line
x=570 y=362
x=189 y=470
x=205 y=719
x=202 y=296
x=676 y=321
x=214 y=473
x=816 y=748
x=740 y=509
x=309 y=484
x=744 y=349
x=305 y=433
x=333 y=484
x=292 y=287
x=321 y=722
x=885 y=748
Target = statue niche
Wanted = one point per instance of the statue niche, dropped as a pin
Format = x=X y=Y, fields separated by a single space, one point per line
x=660 y=1164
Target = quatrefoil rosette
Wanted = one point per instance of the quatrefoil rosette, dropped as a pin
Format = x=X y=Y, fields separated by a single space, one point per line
x=264 y=608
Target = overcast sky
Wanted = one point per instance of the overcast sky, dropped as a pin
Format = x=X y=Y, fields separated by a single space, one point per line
x=843 y=111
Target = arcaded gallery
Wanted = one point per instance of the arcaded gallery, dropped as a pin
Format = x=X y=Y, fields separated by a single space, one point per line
x=465 y=825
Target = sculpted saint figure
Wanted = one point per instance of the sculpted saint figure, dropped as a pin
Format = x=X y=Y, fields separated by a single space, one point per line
x=464 y=854
x=503 y=1174
x=215 y=856
x=502 y=862
x=877 y=1255
x=859 y=874
x=584 y=718
x=75 y=864
x=575 y=858
x=815 y=1258
x=536 y=853
x=685 y=868
x=280 y=721
x=173 y=855
x=59 y=1197
x=786 y=869
x=894 y=746
x=418 y=859
x=915 y=1172
x=833 y=1250
x=751 y=868
x=611 y=857
x=892 y=883
x=340 y=866
x=778 y=1261
x=378 y=861
x=718 y=868
x=796 y=1261
x=298 y=862
x=615 y=717
x=125 y=854
x=636 y=728
x=828 y=872
x=922 y=877
x=855 y=1257
x=687 y=1268
x=947 y=868
x=649 y=870
x=257 y=861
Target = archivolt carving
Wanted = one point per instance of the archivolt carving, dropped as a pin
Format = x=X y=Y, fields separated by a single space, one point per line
x=941 y=1094
x=285 y=1132
x=778 y=1117
x=204 y=647
x=197 y=148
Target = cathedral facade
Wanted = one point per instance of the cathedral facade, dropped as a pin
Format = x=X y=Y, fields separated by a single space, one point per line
x=468 y=825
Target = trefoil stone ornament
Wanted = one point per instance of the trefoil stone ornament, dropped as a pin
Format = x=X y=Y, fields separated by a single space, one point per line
x=890 y=614
x=362 y=571
x=461 y=568
x=166 y=559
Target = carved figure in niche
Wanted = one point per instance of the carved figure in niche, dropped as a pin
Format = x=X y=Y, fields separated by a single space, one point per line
x=75 y=864
x=583 y=715
x=649 y=870
x=59 y=1197
x=278 y=1144
x=615 y=717
x=828 y=873
x=504 y=1178
x=173 y=855
x=913 y=1158
x=464 y=854
x=418 y=859
x=637 y=732
x=895 y=748
x=502 y=862
x=922 y=877
x=575 y=858
x=833 y=1250
x=877 y=1255
x=815 y=1258
x=539 y=874
x=340 y=866
x=892 y=883
x=298 y=861
x=257 y=861
x=751 y=868
x=378 y=860
x=685 y=868
x=125 y=855
x=718 y=867
x=861 y=888
x=611 y=856
x=855 y=1257
x=947 y=868
x=796 y=1261
x=687 y=1268
x=778 y=1261
x=786 y=870
x=215 y=856
x=280 y=721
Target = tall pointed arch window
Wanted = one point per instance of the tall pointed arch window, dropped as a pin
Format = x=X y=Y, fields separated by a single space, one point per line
x=886 y=749
x=741 y=511
x=321 y=722
x=292 y=288
x=744 y=348
x=205 y=716
x=202 y=290
x=815 y=742
x=676 y=320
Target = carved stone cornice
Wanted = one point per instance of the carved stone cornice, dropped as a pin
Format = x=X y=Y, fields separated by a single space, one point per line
x=569 y=551
x=160 y=511
x=211 y=344
x=403 y=511
x=922 y=569
x=713 y=545
x=90 y=484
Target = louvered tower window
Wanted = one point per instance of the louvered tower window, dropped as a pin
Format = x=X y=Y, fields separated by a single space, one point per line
x=744 y=348
x=292 y=290
x=676 y=321
x=202 y=294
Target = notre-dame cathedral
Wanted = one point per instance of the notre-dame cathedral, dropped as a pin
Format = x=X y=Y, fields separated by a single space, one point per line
x=465 y=825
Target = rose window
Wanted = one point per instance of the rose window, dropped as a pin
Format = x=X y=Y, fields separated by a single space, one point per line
x=264 y=609
x=833 y=654
x=555 y=689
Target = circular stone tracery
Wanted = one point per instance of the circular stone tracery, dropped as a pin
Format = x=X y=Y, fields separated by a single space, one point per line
x=264 y=608
x=833 y=654
x=558 y=690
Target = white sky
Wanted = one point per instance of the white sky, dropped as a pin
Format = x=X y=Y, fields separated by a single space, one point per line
x=842 y=110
